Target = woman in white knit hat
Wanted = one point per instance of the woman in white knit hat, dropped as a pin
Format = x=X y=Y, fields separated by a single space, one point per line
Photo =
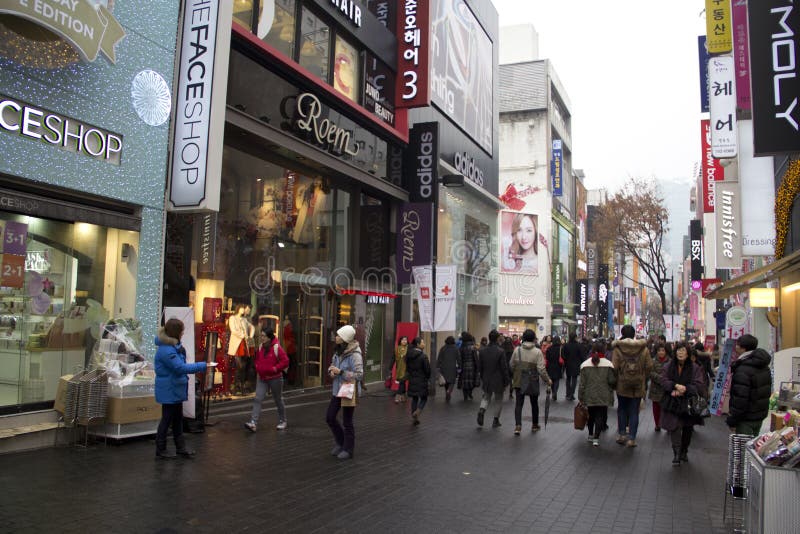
x=347 y=366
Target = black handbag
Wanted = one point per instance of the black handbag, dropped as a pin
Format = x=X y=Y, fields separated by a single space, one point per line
x=698 y=407
x=675 y=405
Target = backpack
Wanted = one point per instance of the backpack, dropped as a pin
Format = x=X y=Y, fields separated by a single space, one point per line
x=631 y=370
x=262 y=364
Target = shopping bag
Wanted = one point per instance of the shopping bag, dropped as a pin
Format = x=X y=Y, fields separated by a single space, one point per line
x=581 y=416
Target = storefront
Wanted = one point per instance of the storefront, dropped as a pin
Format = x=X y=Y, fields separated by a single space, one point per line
x=83 y=133
x=307 y=197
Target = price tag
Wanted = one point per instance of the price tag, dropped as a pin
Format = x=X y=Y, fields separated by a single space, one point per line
x=15 y=238
x=12 y=270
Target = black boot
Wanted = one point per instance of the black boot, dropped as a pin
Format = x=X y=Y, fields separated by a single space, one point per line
x=163 y=453
x=480 y=416
x=182 y=449
x=676 y=458
x=684 y=455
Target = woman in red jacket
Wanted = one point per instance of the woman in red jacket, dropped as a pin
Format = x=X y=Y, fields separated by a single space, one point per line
x=271 y=360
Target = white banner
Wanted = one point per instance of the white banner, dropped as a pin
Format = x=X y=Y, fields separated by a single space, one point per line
x=722 y=106
x=438 y=316
x=672 y=329
x=187 y=341
x=756 y=182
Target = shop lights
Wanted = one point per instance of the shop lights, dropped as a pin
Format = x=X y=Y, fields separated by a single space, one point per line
x=763 y=297
x=792 y=287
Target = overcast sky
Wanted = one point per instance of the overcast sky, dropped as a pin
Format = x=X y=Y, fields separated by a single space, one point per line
x=630 y=69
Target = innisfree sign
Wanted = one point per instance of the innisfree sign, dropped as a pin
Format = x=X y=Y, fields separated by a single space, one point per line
x=88 y=29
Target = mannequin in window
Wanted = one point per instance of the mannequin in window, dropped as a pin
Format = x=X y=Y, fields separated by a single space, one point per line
x=241 y=345
x=291 y=349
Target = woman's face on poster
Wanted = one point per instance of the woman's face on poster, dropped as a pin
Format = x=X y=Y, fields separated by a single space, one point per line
x=526 y=235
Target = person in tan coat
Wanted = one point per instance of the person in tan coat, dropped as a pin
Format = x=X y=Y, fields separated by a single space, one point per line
x=633 y=364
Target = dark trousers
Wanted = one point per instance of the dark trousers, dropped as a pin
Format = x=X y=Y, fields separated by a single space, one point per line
x=418 y=403
x=243 y=365
x=344 y=437
x=598 y=415
x=467 y=393
x=555 y=387
x=628 y=416
x=572 y=382
x=681 y=437
x=171 y=416
x=657 y=413
x=520 y=401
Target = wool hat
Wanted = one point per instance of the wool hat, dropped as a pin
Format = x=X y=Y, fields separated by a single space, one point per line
x=347 y=333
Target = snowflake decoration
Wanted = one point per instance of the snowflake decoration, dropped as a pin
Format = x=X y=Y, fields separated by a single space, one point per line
x=151 y=98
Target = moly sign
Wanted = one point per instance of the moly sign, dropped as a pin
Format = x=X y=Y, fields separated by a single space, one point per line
x=422 y=161
x=773 y=26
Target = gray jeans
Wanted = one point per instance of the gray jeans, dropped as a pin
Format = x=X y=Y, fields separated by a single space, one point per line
x=498 y=401
x=276 y=386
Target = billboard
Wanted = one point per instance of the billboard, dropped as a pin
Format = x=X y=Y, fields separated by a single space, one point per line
x=519 y=243
x=461 y=69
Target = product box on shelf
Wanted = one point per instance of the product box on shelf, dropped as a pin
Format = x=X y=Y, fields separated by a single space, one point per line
x=777 y=420
x=132 y=410
x=61 y=394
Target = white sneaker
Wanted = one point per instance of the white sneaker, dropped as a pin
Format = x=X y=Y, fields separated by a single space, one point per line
x=281 y=425
x=250 y=425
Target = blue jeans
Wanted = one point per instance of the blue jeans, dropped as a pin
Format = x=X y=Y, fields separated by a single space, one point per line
x=628 y=415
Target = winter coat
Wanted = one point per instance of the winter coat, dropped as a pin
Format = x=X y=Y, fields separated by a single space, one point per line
x=751 y=386
x=554 y=352
x=241 y=329
x=172 y=384
x=703 y=359
x=447 y=363
x=400 y=362
x=656 y=391
x=351 y=364
x=633 y=364
x=596 y=386
x=418 y=367
x=573 y=358
x=275 y=364
x=692 y=378
x=493 y=368
x=468 y=363
x=527 y=357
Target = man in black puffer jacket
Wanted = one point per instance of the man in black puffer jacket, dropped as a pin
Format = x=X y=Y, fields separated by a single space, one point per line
x=751 y=387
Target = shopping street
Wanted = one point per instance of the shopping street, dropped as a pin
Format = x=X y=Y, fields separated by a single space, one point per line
x=443 y=476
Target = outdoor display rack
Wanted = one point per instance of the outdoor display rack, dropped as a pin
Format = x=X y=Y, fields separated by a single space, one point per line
x=736 y=480
x=772 y=496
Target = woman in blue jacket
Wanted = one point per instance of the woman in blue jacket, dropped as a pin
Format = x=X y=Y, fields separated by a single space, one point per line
x=172 y=387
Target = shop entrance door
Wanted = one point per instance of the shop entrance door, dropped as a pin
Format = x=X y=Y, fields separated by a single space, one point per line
x=302 y=334
x=478 y=320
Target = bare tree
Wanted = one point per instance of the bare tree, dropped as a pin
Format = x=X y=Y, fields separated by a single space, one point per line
x=636 y=220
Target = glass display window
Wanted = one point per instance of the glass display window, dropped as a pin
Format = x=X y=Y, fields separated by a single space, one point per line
x=243 y=12
x=276 y=25
x=315 y=44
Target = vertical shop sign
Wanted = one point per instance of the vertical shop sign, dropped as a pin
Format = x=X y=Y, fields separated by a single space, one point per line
x=722 y=106
x=207 y=244
x=558 y=288
x=702 y=54
x=741 y=55
x=203 y=49
x=711 y=167
x=696 y=249
x=715 y=406
x=379 y=87
x=591 y=270
x=602 y=293
x=413 y=54
x=414 y=223
x=422 y=161
x=556 y=168
x=373 y=230
x=385 y=11
x=581 y=296
x=728 y=215
x=773 y=27
x=755 y=182
x=718 y=26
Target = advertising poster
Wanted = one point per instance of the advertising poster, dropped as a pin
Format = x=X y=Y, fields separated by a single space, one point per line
x=461 y=69
x=345 y=69
x=519 y=243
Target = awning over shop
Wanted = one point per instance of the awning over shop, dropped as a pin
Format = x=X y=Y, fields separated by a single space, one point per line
x=757 y=277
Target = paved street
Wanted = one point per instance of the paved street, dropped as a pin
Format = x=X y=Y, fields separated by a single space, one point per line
x=443 y=476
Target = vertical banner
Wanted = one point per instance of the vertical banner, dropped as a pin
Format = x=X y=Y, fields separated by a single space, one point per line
x=718 y=26
x=755 y=182
x=696 y=249
x=702 y=55
x=711 y=167
x=602 y=293
x=445 y=298
x=721 y=382
x=581 y=296
x=556 y=168
x=741 y=54
x=773 y=27
x=422 y=161
x=413 y=54
x=186 y=315
x=373 y=229
x=423 y=281
x=722 y=106
x=728 y=215
x=414 y=224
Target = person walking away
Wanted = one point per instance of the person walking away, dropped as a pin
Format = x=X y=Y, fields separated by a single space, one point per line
x=680 y=379
x=493 y=371
x=703 y=359
x=508 y=348
x=447 y=365
x=239 y=345
x=656 y=393
x=555 y=367
x=573 y=358
x=751 y=386
x=347 y=366
x=527 y=368
x=400 y=369
x=633 y=364
x=172 y=387
x=418 y=367
x=546 y=342
x=271 y=360
x=596 y=390
x=469 y=378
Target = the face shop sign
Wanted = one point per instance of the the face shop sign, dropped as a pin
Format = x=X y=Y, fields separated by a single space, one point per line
x=72 y=135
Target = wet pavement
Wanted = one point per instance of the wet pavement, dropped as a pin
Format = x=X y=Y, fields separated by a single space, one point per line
x=445 y=475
